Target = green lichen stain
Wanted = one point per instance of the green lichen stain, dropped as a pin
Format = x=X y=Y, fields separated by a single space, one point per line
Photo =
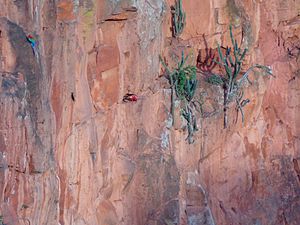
x=234 y=13
x=238 y=17
x=87 y=13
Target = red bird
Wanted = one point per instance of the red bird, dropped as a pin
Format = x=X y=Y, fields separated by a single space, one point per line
x=130 y=98
x=30 y=36
x=32 y=42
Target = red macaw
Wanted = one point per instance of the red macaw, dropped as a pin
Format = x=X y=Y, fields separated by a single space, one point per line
x=32 y=42
x=130 y=98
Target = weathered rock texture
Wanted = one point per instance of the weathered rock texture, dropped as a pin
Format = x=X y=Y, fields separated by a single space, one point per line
x=72 y=153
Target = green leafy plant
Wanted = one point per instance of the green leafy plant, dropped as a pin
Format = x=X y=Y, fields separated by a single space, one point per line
x=178 y=18
x=183 y=82
x=233 y=80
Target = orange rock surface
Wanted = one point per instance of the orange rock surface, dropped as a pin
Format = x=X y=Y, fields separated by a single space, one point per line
x=71 y=152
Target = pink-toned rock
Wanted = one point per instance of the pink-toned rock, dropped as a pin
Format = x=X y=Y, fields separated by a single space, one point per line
x=107 y=58
x=65 y=11
x=71 y=152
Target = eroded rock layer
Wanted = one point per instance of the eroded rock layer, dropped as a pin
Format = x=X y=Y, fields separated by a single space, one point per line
x=71 y=152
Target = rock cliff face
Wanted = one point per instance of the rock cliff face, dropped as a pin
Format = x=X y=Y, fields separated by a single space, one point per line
x=71 y=152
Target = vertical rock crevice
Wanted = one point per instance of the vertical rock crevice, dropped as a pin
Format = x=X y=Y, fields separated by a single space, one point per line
x=71 y=152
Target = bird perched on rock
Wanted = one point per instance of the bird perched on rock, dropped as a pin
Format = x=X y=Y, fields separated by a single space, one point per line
x=130 y=98
x=32 y=42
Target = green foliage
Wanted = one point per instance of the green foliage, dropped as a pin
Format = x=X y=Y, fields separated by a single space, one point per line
x=1 y=220
x=184 y=78
x=184 y=83
x=231 y=62
x=178 y=18
x=215 y=79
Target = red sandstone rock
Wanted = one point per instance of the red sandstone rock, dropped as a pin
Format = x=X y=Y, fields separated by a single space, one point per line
x=72 y=153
